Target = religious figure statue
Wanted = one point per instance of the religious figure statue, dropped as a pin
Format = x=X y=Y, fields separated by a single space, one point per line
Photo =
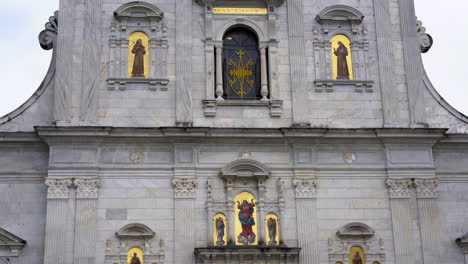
x=139 y=50
x=220 y=231
x=135 y=259
x=342 y=63
x=246 y=211
x=272 y=230
x=357 y=259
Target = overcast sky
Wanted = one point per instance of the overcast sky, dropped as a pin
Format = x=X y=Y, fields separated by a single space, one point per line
x=25 y=64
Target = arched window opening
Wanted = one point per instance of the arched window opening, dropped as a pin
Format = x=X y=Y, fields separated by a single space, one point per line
x=342 y=58
x=241 y=65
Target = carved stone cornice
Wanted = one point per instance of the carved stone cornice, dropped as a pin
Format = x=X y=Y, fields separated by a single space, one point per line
x=399 y=188
x=426 y=188
x=275 y=3
x=305 y=187
x=87 y=187
x=184 y=188
x=58 y=188
x=48 y=36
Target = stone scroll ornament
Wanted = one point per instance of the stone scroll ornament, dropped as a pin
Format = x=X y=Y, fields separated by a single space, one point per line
x=48 y=36
x=425 y=40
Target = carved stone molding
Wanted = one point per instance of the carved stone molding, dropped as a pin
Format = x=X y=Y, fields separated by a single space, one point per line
x=425 y=40
x=275 y=3
x=184 y=187
x=399 y=188
x=10 y=244
x=87 y=188
x=48 y=36
x=58 y=188
x=463 y=243
x=426 y=188
x=305 y=187
x=211 y=105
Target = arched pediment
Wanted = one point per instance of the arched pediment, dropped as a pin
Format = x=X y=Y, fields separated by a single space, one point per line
x=135 y=231
x=340 y=13
x=245 y=168
x=138 y=10
x=355 y=230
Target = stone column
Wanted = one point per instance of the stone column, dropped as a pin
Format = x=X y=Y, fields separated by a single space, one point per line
x=219 y=72
x=306 y=210
x=264 y=73
x=184 y=217
x=209 y=205
x=86 y=218
x=297 y=62
x=58 y=194
x=426 y=191
x=390 y=93
x=400 y=204
x=184 y=62
x=282 y=214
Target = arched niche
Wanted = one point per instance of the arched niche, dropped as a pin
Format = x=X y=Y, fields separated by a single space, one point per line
x=241 y=22
x=342 y=52
x=220 y=230
x=355 y=229
x=272 y=229
x=135 y=238
x=245 y=168
x=140 y=10
x=340 y=13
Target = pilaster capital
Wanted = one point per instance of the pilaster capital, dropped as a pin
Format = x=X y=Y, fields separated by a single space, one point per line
x=305 y=187
x=399 y=188
x=87 y=187
x=426 y=188
x=184 y=188
x=58 y=188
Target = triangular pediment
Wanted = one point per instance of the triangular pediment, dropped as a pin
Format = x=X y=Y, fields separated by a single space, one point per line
x=10 y=244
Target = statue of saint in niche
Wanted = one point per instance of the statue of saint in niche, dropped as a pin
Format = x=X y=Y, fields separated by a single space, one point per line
x=272 y=231
x=246 y=212
x=357 y=259
x=220 y=231
x=139 y=50
x=135 y=259
x=342 y=62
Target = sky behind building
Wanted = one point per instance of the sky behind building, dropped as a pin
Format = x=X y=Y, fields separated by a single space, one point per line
x=25 y=64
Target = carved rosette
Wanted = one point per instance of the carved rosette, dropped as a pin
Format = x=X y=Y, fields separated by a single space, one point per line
x=305 y=187
x=58 y=188
x=184 y=188
x=87 y=188
x=399 y=188
x=426 y=188
x=48 y=36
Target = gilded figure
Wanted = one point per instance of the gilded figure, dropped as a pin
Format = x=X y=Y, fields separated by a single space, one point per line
x=246 y=211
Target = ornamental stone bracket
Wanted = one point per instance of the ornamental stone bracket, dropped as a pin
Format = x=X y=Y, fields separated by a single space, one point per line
x=305 y=187
x=48 y=37
x=426 y=188
x=211 y=106
x=425 y=40
x=58 y=188
x=184 y=188
x=10 y=244
x=87 y=188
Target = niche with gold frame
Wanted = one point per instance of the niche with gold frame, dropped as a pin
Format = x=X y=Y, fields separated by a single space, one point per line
x=220 y=230
x=342 y=57
x=246 y=219
x=356 y=255
x=138 y=55
x=135 y=253
x=272 y=232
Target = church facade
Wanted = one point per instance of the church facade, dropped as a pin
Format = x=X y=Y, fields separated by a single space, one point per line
x=240 y=132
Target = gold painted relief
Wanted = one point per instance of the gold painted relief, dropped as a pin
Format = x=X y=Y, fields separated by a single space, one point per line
x=241 y=73
x=138 y=55
x=135 y=256
x=272 y=229
x=220 y=230
x=246 y=220
x=356 y=256
x=342 y=59
x=235 y=10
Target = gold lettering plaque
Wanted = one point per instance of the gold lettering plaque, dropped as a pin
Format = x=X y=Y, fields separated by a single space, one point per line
x=239 y=10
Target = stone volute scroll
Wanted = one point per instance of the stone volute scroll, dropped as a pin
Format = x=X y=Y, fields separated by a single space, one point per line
x=138 y=48
x=48 y=37
x=340 y=37
x=425 y=40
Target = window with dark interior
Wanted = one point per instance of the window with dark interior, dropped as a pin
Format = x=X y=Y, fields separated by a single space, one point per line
x=241 y=65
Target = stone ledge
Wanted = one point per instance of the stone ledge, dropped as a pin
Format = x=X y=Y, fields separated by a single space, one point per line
x=360 y=85
x=211 y=105
x=271 y=254
x=121 y=84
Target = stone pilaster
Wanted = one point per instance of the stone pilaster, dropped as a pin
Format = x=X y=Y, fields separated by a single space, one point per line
x=400 y=204
x=64 y=72
x=306 y=210
x=184 y=216
x=413 y=63
x=58 y=194
x=386 y=63
x=297 y=62
x=86 y=218
x=184 y=62
x=429 y=221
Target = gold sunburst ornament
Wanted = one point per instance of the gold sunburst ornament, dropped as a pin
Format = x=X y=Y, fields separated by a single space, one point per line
x=241 y=73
